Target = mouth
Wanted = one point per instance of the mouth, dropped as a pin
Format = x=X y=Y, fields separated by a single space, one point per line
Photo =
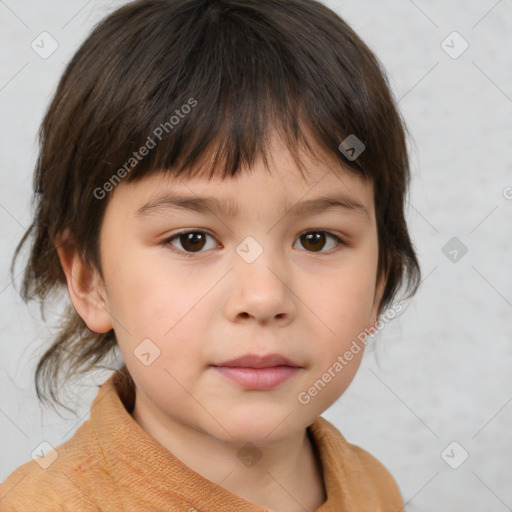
x=255 y=361
x=258 y=373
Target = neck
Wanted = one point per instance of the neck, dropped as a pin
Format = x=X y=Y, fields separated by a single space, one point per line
x=284 y=476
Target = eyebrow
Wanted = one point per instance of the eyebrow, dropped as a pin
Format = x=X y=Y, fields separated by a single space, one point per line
x=230 y=208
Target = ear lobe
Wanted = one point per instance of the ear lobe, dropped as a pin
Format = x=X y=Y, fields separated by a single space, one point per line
x=85 y=286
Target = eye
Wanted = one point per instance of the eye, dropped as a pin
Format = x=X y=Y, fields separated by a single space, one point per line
x=195 y=241
x=315 y=241
x=190 y=241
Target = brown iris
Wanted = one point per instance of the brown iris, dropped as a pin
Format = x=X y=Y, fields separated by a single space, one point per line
x=313 y=241
x=192 y=241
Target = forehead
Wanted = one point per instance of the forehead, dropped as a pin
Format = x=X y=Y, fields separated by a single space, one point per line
x=320 y=182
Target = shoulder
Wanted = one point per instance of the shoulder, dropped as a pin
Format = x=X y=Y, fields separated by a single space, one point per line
x=380 y=477
x=371 y=481
x=376 y=481
x=58 y=481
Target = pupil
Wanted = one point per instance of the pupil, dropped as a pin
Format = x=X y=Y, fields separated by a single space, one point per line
x=194 y=240
x=313 y=238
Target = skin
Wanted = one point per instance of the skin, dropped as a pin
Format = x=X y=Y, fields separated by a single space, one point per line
x=307 y=302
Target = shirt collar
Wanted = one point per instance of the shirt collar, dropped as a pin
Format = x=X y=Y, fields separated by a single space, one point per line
x=129 y=451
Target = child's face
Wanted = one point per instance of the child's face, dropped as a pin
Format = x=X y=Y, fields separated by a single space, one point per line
x=306 y=299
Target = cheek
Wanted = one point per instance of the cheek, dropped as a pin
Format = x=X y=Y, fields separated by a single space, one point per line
x=343 y=314
x=145 y=292
x=345 y=303
x=163 y=304
x=161 y=322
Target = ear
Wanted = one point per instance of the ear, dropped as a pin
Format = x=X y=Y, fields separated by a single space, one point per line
x=85 y=286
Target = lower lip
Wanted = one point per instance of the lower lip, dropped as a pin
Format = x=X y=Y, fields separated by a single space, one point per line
x=259 y=379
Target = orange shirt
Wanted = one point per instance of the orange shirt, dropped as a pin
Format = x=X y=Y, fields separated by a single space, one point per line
x=112 y=464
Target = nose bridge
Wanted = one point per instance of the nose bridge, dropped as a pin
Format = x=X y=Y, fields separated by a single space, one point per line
x=259 y=289
x=254 y=261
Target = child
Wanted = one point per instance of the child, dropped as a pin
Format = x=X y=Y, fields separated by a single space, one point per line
x=220 y=187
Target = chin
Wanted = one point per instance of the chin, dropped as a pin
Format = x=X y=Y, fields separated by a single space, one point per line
x=260 y=429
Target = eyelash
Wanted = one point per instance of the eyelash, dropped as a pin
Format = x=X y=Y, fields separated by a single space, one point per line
x=167 y=241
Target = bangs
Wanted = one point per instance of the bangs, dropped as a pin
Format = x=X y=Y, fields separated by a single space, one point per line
x=199 y=90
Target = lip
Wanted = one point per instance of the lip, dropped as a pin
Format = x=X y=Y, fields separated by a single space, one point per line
x=256 y=361
x=258 y=373
x=258 y=379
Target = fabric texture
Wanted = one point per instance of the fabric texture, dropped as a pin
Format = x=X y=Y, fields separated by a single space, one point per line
x=112 y=464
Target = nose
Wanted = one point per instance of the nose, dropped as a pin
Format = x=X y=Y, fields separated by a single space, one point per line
x=260 y=290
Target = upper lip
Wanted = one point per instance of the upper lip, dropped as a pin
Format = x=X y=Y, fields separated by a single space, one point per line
x=256 y=361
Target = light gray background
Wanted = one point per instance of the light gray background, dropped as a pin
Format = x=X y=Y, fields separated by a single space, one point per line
x=439 y=373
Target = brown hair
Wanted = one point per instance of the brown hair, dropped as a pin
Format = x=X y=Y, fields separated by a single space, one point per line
x=250 y=66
